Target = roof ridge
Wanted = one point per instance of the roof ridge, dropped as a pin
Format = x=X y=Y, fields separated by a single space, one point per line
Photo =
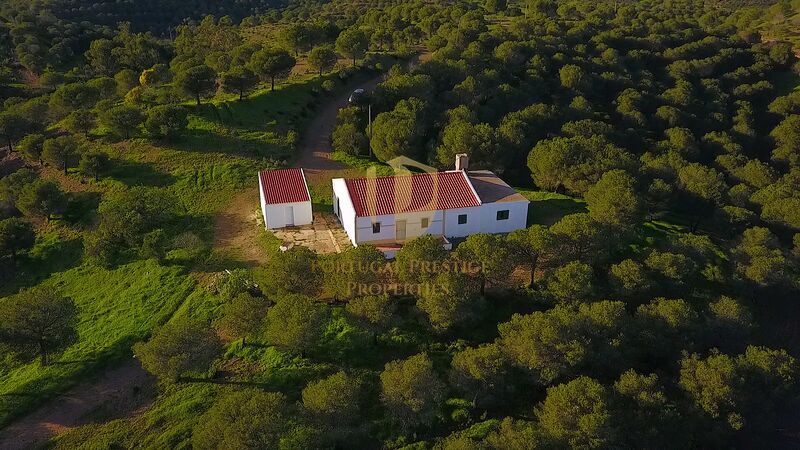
x=437 y=191
x=471 y=187
x=408 y=175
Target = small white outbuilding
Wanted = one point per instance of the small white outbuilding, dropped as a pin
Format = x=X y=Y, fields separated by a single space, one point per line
x=285 y=199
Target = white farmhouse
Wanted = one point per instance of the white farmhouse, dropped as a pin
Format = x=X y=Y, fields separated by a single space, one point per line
x=285 y=200
x=387 y=211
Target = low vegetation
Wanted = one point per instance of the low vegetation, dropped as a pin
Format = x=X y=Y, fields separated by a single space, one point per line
x=649 y=304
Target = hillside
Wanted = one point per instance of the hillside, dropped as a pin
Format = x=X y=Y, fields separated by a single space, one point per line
x=646 y=300
x=774 y=21
x=147 y=15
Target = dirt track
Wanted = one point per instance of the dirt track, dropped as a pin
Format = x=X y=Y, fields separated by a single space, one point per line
x=118 y=391
x=236 y=230
x=315 y=148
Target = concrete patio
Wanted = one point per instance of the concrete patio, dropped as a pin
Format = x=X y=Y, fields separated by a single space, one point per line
x=325 y=235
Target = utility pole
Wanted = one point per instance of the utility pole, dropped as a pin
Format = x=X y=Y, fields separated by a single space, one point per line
x=369 y=126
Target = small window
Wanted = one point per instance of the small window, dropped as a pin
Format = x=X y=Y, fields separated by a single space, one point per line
x=502 y=215
x=424 y=222
x=376 y=228
x=462 y=219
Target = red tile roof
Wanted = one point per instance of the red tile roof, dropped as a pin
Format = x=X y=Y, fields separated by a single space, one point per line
x=284 y=186
x=409 y=193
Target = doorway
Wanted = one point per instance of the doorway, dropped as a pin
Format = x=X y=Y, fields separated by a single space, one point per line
x=400 y=230
x=289 y=216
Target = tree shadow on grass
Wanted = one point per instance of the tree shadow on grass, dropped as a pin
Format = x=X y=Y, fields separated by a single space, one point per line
x=74 y=361
x=267 y=110
x=252 y=144
x=28 y=270
x=81 y=207
x=548 y=212
x=220 y=379
x=224 y=260
x=139 y=174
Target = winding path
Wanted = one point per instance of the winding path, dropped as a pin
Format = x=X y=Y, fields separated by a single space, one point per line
x=118 y=389
x=315 y=148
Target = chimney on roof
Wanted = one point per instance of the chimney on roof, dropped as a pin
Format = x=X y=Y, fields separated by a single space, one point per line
x=462 y=161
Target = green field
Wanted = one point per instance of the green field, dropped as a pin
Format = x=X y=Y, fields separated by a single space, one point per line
x=547 y=208
x=117 y=308
x=227 y=142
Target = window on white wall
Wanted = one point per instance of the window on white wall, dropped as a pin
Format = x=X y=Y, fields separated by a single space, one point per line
x=376 y=228
x=502 y=215
x=424 y=222
x=462 y=219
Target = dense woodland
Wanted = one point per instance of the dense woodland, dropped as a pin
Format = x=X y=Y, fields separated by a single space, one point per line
x=650 y=304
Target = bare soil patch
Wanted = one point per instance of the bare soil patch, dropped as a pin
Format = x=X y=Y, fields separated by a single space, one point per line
x=120 y=392
x=237 y=229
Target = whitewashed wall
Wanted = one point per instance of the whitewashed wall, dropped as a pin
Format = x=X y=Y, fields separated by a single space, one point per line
x=346 y=212
x=263 y=202
x=483 y=219
x=480 y=219
x=275 y=215
x=388 y=223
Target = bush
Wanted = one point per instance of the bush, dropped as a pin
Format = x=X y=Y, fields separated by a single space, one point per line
x=166 y=121
x=179 y=347
x=348 y=139
x=328 y=85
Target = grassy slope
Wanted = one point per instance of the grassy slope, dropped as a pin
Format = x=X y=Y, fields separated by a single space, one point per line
x=778 y=21
x=228 y=141
x=169 y=422
x=547 y=208
x=117 y=308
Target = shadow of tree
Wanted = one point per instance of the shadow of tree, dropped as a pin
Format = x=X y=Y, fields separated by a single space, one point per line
x=81 y=207
x=249 y=144
x=36 y=266
x=268 y=110
x=548 y=212
x=138 y=174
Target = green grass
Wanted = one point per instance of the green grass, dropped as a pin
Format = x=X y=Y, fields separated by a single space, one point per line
x=547 y=208
x=170 y=420
x=261 y=125
x=264 y=33
x=363 y=163
x=207 y=189
x=116 y=308
x=226 y=143
x=166 y=424
x=56 y=249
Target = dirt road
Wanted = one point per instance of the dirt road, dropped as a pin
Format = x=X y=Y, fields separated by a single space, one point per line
x=315 y=148
x=119 y=392
x=236 y=230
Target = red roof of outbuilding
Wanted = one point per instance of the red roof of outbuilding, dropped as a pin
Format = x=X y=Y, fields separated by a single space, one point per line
x=409 y=193
x=283 y=186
